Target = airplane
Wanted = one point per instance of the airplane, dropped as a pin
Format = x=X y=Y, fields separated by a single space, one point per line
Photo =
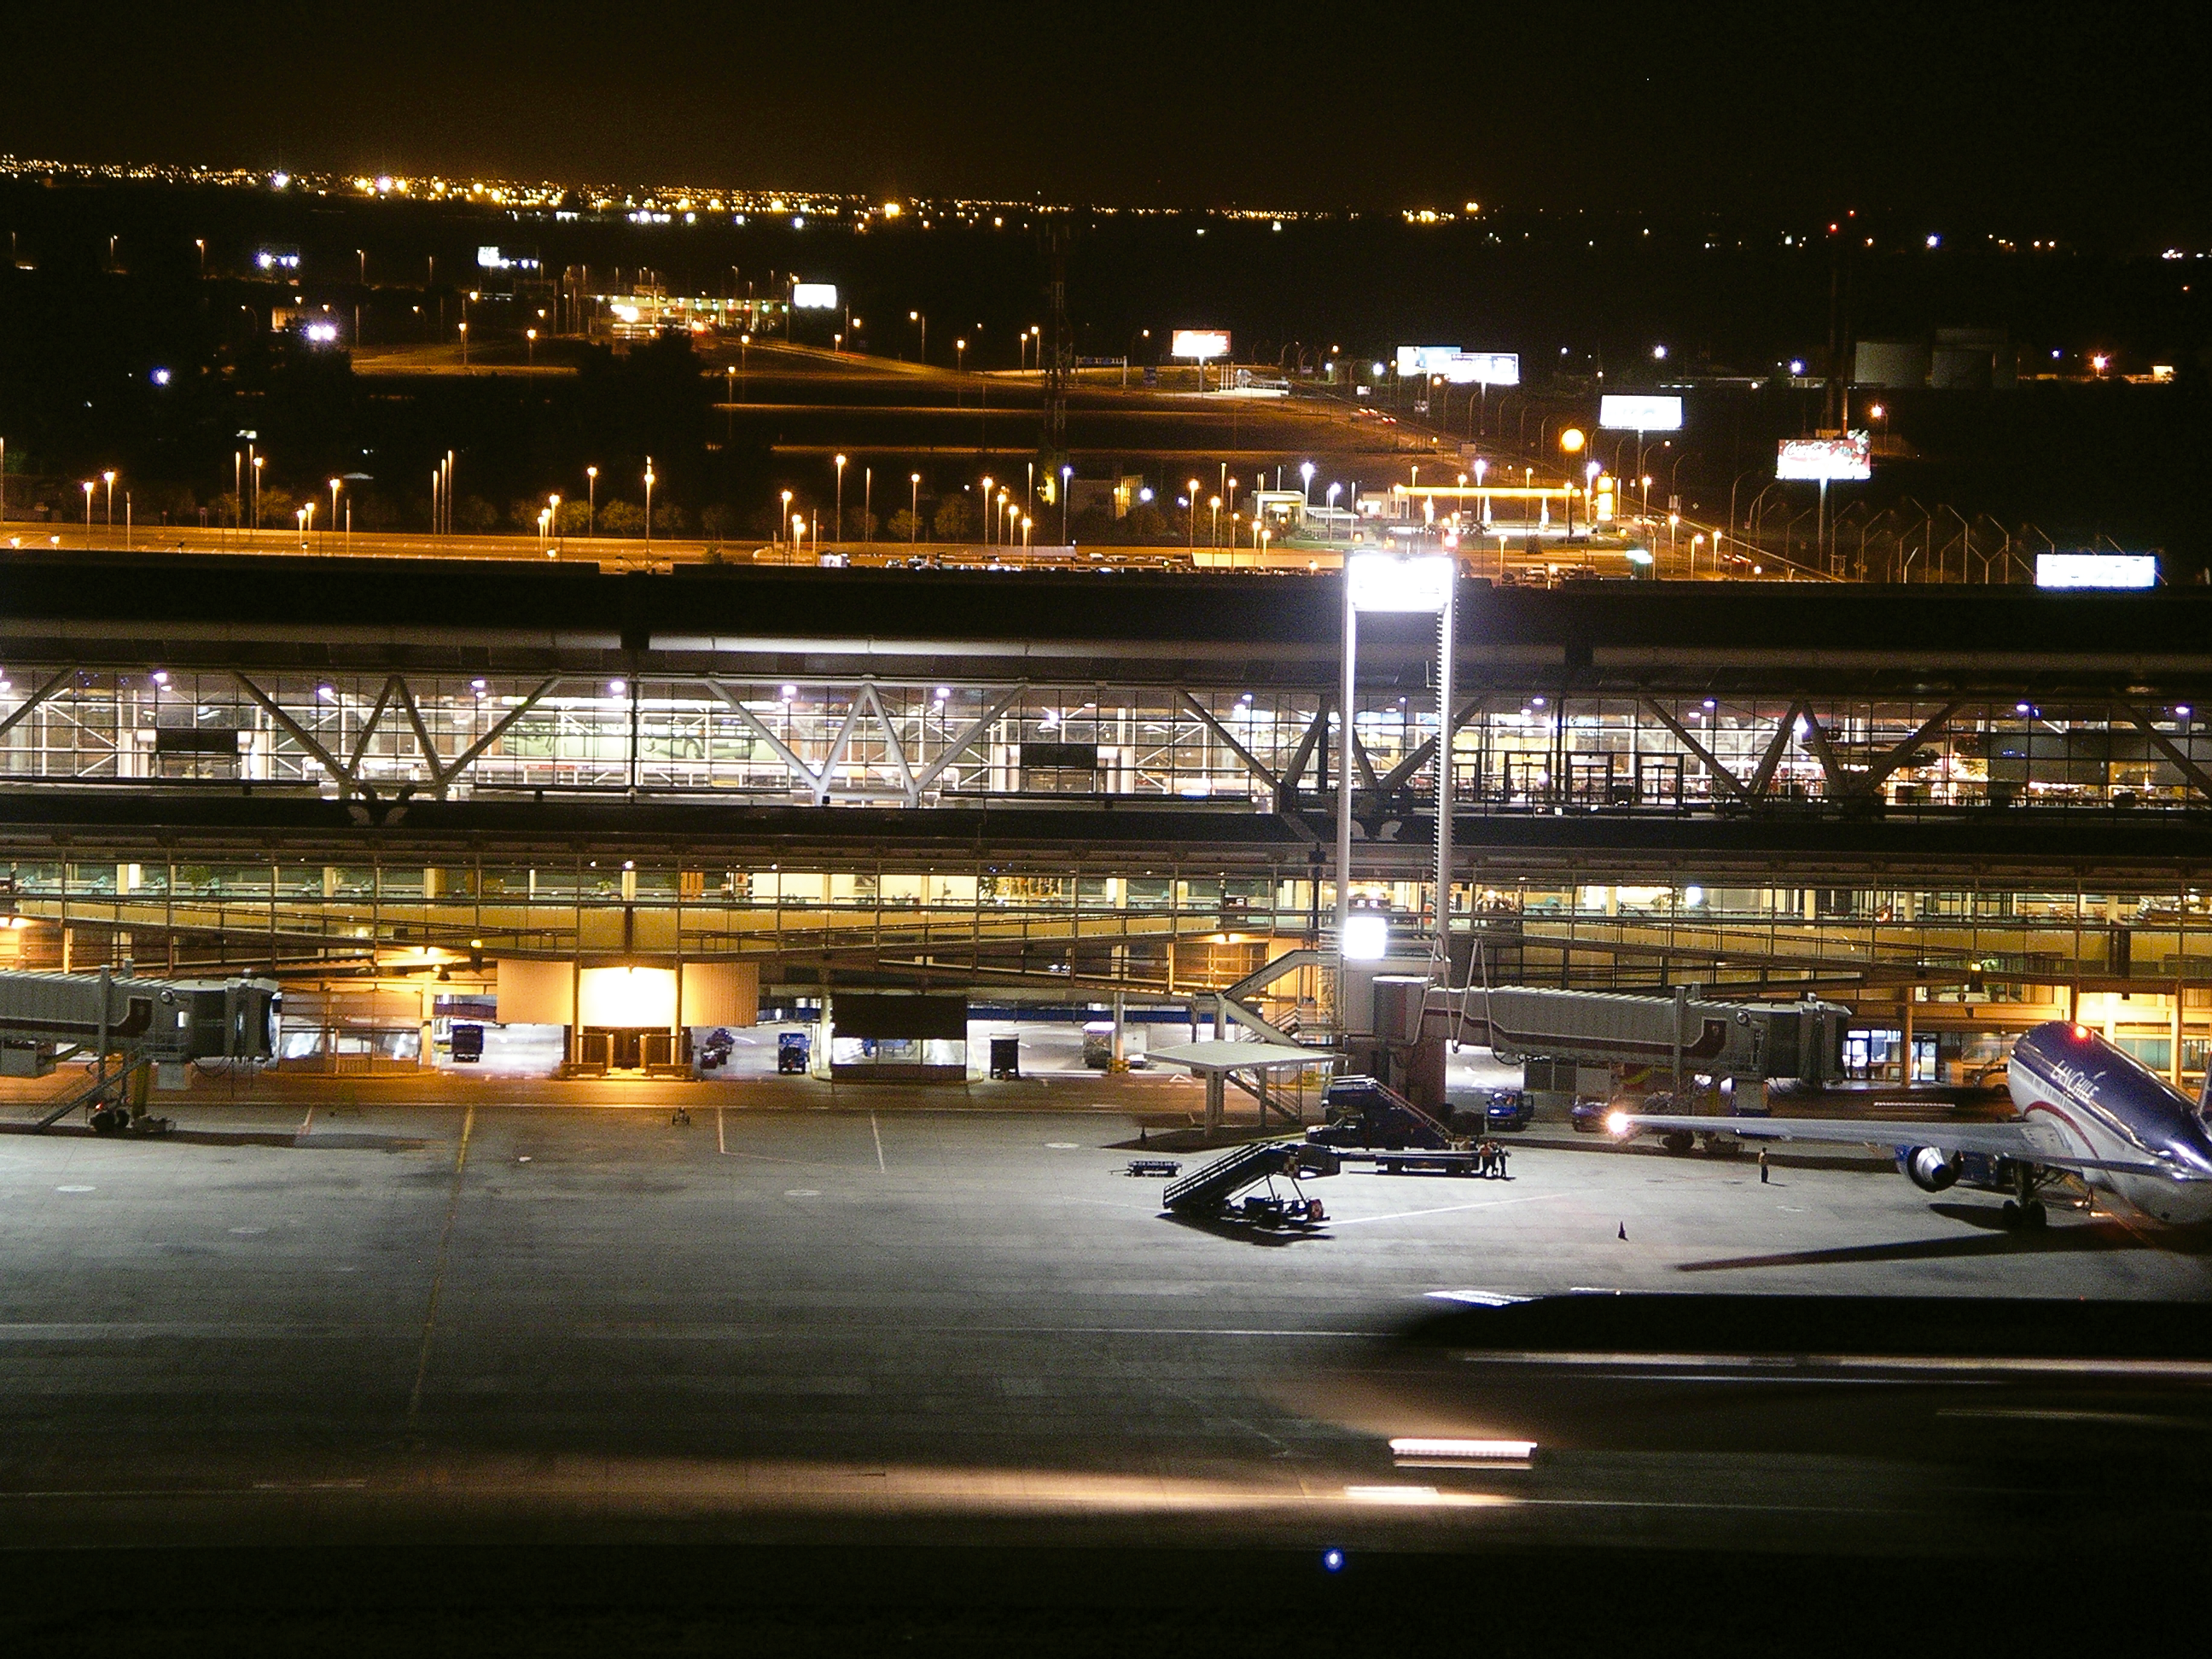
x=2088 y=1110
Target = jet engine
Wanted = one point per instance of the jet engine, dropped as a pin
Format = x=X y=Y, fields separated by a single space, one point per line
x=1930 y=1168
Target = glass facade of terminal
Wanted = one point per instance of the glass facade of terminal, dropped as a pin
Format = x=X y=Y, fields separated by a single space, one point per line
x=883 y=742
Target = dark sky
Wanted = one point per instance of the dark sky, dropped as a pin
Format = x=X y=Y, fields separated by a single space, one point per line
x=2069 y=119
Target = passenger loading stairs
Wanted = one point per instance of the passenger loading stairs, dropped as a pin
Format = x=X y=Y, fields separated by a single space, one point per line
x=1365 y=1111
x=1207 y=1191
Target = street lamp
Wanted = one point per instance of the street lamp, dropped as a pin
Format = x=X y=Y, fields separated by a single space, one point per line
x=779 y=532
x=1193 y=515
x=916 y=317
x=960 y=354
x=913 y=509
x=1213 y=534
x=986 y=513
x=1306 y=472
x=1066 y=474
x=108 y=478
x=90 y=484
x=257 y=460
x=591 y=501
x=649 y=507
x=336 y=485
x=838 y=535
x=1571 y=441
x=553 y=516
x=529 y=347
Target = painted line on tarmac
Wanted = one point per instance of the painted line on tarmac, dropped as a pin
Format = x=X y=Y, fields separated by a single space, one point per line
x=438 y=1275
x=1447 y=1209
x=878 y=1134
x=721 y=1140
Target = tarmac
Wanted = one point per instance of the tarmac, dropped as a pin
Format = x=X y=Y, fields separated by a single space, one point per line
x=889 y=1315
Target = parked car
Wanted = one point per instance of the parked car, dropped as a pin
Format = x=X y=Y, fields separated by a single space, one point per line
x=1508 y=1110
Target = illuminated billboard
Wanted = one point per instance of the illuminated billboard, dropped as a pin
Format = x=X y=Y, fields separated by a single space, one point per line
x=1847 y=460
x=1425 y=360
x=1484 y=368
x=814 y=297
x=1617 y=413
x=2096 y=570
x=1459 y=367
x=1199 y=344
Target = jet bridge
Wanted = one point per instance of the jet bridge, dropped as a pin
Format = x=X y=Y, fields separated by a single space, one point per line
x=128 y=1026
x=1676 y=1037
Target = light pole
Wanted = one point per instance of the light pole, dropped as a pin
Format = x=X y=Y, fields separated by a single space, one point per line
x=1305 y=474
x=837 y=535
x=337 y=485
x=867 y=503
x=649 y=507
x=108 y=478
x=529 y=347
x=257 y=460
x=916 y=317
x=960 y=355
x=1213 y=531
x=985 y=514
x=591 y=501
x=90 y=484
x=553 y=520
x=913 y=509
x=1384 y=582
x=781 y=523
x=1066 y=478
x=1193 y=517
x=1571 y=441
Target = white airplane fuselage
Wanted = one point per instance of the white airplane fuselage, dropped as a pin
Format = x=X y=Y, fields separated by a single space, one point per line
x=2102 y=1104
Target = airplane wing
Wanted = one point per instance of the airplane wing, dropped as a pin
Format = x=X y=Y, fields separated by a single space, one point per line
x=2013 y=1139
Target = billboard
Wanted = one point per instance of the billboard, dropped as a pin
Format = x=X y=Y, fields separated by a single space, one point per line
x=1199 y=344
x=1425 y=360
x=1460 y=366
x=1484 y=368
x=814 y=297
x=1617 y=413
x=1847 y=459
x=2096 y=570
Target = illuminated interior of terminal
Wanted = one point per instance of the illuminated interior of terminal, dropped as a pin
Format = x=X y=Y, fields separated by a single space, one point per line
x=911 y=743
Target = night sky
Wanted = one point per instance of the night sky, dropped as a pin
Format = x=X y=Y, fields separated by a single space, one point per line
x=2030 y=118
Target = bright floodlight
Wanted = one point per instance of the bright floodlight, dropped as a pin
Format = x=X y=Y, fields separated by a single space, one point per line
x=1366 y=937
x=1616 y=1123
x=1386 y=582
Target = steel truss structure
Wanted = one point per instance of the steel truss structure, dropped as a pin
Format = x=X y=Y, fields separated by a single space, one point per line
x=828 y=741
